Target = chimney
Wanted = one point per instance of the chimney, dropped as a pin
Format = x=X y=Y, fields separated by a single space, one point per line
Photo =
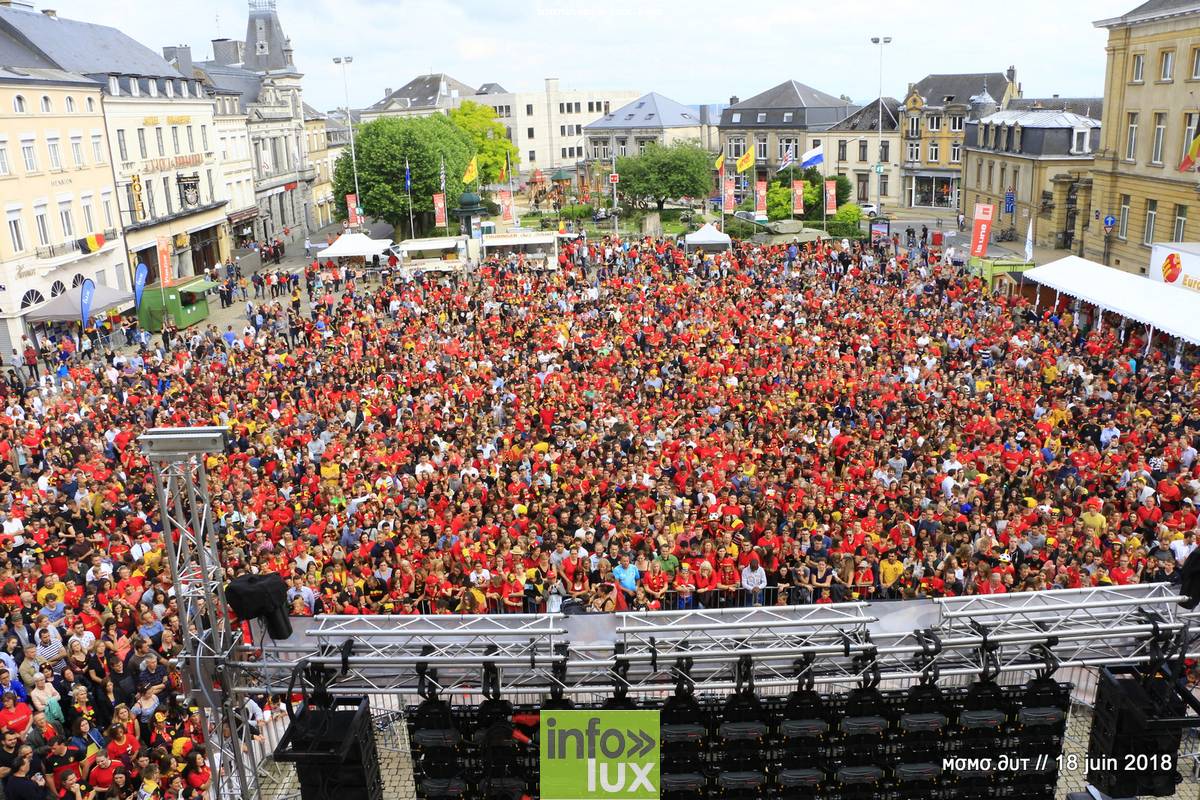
x=387 y=92
x=227 y=51
x=551 y=85
x=704 y=114
x=733 y=100
x=50 y=12
x=1011 y=74
x=1055 y=97
x=181 y=54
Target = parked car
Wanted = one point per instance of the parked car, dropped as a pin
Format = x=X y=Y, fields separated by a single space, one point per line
x=869 y=209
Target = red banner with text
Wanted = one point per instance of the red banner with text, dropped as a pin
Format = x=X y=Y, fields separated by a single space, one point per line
x=760 y=200
x=981 y=231
x=830 y=197
x=506 y=210
x=797 y=197
x=352 y=209
x=729 y=199
x=439 y=209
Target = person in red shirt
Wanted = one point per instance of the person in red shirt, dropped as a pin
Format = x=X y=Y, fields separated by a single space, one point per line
x=14 y=715
x=1123 y=574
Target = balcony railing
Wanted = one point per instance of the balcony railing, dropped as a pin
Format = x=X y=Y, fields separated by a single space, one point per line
x=58 y=250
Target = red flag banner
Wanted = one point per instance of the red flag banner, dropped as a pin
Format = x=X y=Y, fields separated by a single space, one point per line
x=352 y=209
x=729 y=200
x=506 y=211
x=981 y=230
x=439 y=209
x=760 y=200
x=797 y=197
x=166 y=272
x=831 y=197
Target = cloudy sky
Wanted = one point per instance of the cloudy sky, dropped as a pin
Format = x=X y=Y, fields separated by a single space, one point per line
x=694 y=51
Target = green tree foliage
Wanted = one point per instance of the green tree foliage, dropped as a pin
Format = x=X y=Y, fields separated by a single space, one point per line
x=382 y=146
x=658 y=174
x=488 y=139
x=779 y=201
x=814 y=189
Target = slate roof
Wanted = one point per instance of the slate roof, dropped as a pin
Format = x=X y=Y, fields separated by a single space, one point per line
x=231 y=78
x=423 y=92
x=82 y=47
x=791 y=94
x=867 y=117
x=1040 y=118
x=1149 y=10
x=57 y=77
x=1083 y=106
x=651 y=110
x=311 y=113
x=942 y=90
x=492 y=88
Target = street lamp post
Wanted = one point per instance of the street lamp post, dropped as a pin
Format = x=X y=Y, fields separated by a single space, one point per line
x=344 y=60
x=881 y=41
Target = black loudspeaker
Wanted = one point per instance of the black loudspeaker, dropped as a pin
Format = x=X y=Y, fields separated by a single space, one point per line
x=334 y=752
x=261 y=597
x=1137 y=726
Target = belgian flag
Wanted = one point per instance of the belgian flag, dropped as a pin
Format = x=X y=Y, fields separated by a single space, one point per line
x=90 y=244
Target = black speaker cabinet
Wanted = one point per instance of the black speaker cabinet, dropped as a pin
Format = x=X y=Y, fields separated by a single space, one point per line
x=334 y=752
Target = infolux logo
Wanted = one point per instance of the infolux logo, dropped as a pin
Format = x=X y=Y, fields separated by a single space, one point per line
x=589 y=755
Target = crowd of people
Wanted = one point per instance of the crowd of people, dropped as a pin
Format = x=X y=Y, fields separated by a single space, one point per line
x=642 y=428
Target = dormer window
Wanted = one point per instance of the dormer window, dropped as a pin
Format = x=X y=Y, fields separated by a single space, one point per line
x=135 y=87
x=114 y=86
x=170 y=88
x=762 y=116
x=1079 y=141
x=153 y=86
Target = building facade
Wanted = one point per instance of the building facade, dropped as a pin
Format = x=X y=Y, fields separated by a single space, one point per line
x=1150 y=118
x=233 y=145
x=933 y=122
x=1041 y=160
x=868 y=153
x=263 y=74
x=546 y=126
x=159 y=128
x=788 y=117
x=56 y=188
x=316 y=135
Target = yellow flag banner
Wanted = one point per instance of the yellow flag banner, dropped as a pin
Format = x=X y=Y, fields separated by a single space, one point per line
x=719 y=166
x=472 y=171
x=745 y=161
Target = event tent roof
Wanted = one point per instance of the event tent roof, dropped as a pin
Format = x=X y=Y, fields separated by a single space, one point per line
x=349 y=245
x=66 y=308
x=708 y=236
x=1169 y=309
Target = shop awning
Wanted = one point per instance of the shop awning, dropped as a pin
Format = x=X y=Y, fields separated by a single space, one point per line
x=1171 y=310
x=202 y=285
x=350 y=245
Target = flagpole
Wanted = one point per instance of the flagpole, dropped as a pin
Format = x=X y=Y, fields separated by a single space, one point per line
x=512 y=197
x=412 y=228
x=446 y=211
x=721 y=193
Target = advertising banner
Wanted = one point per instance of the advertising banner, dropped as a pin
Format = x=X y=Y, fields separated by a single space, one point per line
x=1173 y=264
x=599 y=754
x=797 y=197
x=506 y=212
x=730 y=204
x=166 y=273
x=760 y=201
x=831 y=197
x=439 y=209
x=352 y=209
x=981 y=230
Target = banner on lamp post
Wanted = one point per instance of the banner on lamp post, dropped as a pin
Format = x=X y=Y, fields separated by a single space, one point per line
x=760 y=201
x=505 y=197
x=730 y=203
x=139 y=283
x=981 y=230
x=439 y=209
x=831 y=197
x=352 y=209
x=797 y=198
x=166 y=274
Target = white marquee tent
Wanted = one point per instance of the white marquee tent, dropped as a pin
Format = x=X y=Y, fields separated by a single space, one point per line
x=351 y=245
x=708 y=237
x=1168 y=309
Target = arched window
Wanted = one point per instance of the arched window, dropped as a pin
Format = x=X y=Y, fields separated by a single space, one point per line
x=91 y=104
x=47 y=106
x=78 y=279
x=70 y=103
x=32 y=298
x=58 y=288
x=19 y=104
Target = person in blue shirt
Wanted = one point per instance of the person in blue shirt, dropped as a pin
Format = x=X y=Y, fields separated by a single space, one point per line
x=627 y=576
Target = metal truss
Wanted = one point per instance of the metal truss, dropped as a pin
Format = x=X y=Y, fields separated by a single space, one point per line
x=645 y=653
x=210 y=640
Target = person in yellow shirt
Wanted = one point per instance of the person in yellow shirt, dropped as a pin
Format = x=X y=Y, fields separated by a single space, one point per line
x=890 y=571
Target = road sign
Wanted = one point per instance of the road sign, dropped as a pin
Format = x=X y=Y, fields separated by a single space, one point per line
x=879 y=169
x=1109 y=221
x=1108 y=229
x=1010 y=202
x=614 y=177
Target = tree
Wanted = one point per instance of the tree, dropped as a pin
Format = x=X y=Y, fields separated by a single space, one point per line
x=683 y=169
x=382 y=147
x=779 y=201
x=488 y=139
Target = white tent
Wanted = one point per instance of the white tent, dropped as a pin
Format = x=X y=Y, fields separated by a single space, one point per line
x=66 y=307
x=1166 y=308
x=350 y=245
x=708 y=236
